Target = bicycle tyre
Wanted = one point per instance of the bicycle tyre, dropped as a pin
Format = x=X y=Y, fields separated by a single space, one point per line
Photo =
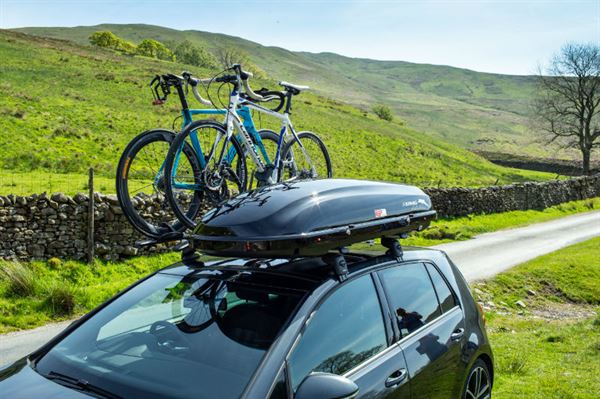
x=289 y=163
x=144 y=225
x=188 y=219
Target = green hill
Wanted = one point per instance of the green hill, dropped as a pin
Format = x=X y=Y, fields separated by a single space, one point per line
x=479 y=111
x=66 y=107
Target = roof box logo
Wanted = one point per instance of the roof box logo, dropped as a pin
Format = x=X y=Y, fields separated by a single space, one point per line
x=380 y=213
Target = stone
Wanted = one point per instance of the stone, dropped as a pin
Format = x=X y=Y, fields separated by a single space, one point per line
x=531 y=292
x=520 y=304
x=61 y=198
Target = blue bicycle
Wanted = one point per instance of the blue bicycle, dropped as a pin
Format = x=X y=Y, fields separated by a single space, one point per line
x=140 y=178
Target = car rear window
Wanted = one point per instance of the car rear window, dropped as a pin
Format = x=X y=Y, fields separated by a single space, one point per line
x=411 y=294
x=447 y=300
x=175 y=337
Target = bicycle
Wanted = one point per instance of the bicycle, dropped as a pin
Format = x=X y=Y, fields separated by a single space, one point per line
x=140 y=178
x=292 y=159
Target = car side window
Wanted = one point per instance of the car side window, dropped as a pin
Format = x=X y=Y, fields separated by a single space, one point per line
x=445 y=296
x=411 y=294
x=346 y=330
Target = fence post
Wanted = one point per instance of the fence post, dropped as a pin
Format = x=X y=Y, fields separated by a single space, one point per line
x=90 y=232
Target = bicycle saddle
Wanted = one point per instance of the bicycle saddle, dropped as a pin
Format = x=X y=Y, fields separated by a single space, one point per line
x=294 y=87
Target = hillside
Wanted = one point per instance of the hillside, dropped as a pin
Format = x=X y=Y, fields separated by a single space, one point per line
x=479 y=111
x=66 y=107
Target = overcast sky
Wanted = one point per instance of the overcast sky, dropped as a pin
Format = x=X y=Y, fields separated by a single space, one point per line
x=510 y=37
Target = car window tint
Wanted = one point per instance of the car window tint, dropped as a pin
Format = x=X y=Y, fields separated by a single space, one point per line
x=411 y=295
x=345 y=330
x=280 y=387
x=445 y=296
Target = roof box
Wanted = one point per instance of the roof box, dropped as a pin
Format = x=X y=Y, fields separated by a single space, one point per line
x=311 y=218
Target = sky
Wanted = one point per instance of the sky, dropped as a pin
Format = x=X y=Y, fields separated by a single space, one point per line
x=511 y=37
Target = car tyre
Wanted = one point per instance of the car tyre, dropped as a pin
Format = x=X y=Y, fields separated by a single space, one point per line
x=478 y=384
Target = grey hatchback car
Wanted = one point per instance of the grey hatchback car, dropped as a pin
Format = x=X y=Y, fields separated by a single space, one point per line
x=285 y=312
x=394 y=328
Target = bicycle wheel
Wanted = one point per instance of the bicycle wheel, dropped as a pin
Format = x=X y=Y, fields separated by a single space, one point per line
x=270 y=140
x=305 y=158
x=140 y=183
x=217 y=182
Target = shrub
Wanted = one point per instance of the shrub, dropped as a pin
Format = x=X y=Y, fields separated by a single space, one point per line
x=383 y=112
x=54 y=262
x=21 y=280
x=155 y=49
x=61 y=298
x=109 y=40
x=188 y=53
x=230 y=56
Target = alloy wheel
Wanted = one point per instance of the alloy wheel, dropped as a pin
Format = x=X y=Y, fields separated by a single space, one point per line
x=478 y=386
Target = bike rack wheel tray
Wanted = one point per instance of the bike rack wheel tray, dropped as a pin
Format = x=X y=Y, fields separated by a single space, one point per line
x=310 y=218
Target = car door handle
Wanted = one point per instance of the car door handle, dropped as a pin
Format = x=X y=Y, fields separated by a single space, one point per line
x=457 y=334
x=396 y=378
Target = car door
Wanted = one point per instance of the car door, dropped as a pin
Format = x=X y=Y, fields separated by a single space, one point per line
x=431 y=336
x=350 y=334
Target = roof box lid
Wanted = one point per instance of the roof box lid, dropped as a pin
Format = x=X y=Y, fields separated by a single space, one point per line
x=310 y=218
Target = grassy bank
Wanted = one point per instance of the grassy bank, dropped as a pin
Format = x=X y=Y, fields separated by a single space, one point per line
x=35 y=293
x=551 y=347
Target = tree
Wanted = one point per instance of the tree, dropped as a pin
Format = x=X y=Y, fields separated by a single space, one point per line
x=155 y=49
x=383 y=112
x=228 y=56
x=104 y=39
x=567 y=106
x=188 y=53
x=108 y=39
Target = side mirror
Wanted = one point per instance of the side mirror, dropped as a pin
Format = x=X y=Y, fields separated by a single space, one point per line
x=326 y=386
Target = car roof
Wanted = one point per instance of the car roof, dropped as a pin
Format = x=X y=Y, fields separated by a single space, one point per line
x=300 y=274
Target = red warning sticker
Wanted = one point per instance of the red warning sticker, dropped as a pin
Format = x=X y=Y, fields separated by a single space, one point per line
x=380 y=213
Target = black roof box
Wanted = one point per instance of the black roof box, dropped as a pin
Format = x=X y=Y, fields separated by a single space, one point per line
x=311 y=218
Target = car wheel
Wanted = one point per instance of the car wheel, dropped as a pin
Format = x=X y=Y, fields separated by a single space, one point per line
x=478 y=384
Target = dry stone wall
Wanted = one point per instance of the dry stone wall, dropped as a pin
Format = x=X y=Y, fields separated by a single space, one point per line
x=45 y=226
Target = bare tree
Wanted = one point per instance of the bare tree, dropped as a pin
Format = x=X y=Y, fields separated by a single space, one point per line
x=568 y=102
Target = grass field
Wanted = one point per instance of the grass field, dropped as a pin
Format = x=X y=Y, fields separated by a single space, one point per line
x=476 y=110
x=67 y=107
x=551 y=348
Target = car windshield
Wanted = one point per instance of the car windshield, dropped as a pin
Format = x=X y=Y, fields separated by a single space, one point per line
x=175 y=336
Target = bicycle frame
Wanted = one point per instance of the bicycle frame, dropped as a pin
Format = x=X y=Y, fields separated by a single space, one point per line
x=248 y=124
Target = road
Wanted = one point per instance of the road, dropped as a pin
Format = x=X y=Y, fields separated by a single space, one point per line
x=481 y=257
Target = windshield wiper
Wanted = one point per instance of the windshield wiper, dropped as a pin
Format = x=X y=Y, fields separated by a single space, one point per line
x=81 y=385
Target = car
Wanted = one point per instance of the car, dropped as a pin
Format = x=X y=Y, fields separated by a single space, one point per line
x=329 y=325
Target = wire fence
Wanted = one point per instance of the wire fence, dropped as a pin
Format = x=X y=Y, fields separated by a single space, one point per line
x=38 y=181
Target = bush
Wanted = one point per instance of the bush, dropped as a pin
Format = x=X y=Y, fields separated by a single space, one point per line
x=187 y=53
x=54 y=262
x=230 y=56
x=109 y=40
x=383 y=112
x=61 y=299
x=155 y=49
x=21 y=280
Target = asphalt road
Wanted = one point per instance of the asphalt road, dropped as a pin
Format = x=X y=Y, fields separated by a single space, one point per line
x=478 y=258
